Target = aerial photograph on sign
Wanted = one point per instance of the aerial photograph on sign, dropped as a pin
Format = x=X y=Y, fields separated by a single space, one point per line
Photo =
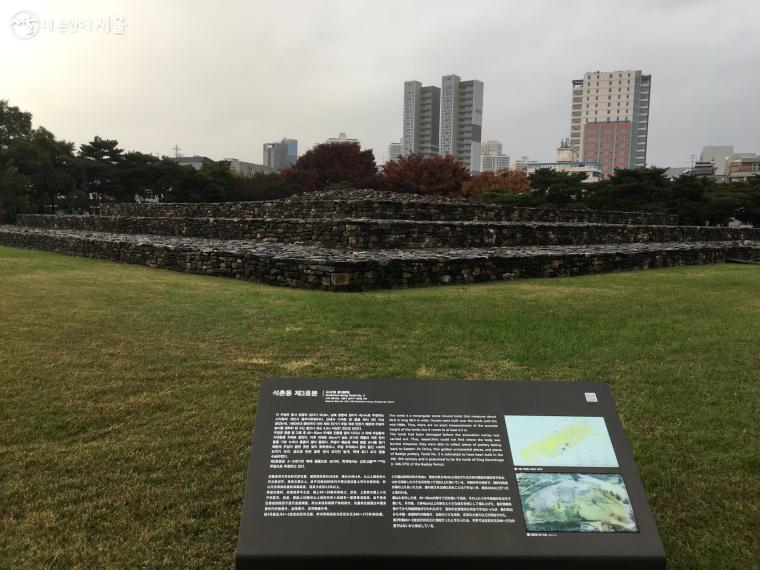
x=560 y=441
x=575 y=502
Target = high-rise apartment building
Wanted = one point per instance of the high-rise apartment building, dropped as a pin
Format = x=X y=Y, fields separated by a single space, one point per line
x=462 y=120
x=422 y=109
x=610 y=118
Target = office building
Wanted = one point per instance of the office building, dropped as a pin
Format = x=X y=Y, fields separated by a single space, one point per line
x=242 y=168
x=292 y=146
x=610 y=118
x=719 y=155
x=461 y=120
x=422 y=109
x=341 y=138
x=493 y=162
x=491 y=157
x=395 y=150
x=567 y=161
x=275 y=156
x=592 y=170
x=524 y=163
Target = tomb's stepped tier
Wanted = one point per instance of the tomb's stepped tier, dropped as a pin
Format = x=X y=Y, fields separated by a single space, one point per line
x=360 y=234
x=330 y=269
x=378 y=209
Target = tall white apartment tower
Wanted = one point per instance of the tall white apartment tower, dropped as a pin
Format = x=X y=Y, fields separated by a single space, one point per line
x=609 y=120
x=421 y=119
x=462 y=120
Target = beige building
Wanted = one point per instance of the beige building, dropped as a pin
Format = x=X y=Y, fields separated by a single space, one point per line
x=491 y=147
x=743 y=169
x=491 y=157
x=610 y=118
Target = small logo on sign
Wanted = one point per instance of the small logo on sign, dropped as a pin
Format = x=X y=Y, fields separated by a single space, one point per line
x=25 y=24
x=591 y=397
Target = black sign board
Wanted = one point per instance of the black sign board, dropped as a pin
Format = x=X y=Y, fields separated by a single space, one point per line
x=443 y=473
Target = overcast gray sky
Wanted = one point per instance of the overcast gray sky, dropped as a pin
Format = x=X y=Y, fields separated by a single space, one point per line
x=222 y=78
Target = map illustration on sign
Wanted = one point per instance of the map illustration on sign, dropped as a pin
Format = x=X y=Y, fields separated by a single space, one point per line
x=560 y=441
x=575 y=502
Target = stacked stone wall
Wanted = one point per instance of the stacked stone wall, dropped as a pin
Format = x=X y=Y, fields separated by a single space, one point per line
x=380 y=234
x=387 y=210
x=333 y=270
x=363 y=239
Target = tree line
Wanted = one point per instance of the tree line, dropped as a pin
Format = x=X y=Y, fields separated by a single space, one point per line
x=42 y=174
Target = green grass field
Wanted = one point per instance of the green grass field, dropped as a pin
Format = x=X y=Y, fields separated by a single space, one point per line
x=128 y=395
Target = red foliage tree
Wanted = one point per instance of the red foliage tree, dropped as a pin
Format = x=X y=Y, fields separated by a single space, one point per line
x=510 y=181
x=439 y=175
x=295 y=181
x=332 y=163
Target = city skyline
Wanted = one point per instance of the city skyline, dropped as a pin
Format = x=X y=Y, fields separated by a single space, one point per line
x=193 y=93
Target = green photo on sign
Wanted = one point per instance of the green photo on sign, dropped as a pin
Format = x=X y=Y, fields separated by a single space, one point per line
x=560 y=441
x=575 y=502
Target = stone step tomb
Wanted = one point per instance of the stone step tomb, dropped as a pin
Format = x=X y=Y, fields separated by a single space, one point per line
x=329 y=248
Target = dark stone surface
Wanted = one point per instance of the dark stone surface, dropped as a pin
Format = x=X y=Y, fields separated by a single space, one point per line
x=357 y=240
x=384 y=234
x=379 y=205
x=331 y=269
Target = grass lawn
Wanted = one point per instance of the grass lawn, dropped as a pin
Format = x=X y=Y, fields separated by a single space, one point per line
x=127 y=395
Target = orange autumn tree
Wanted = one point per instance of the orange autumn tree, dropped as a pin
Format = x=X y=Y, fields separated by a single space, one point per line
x=508 y=181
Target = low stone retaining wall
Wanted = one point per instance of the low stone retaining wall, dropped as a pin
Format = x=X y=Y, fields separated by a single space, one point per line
x=385 y=210
x=384 y=234
x=335 y=270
